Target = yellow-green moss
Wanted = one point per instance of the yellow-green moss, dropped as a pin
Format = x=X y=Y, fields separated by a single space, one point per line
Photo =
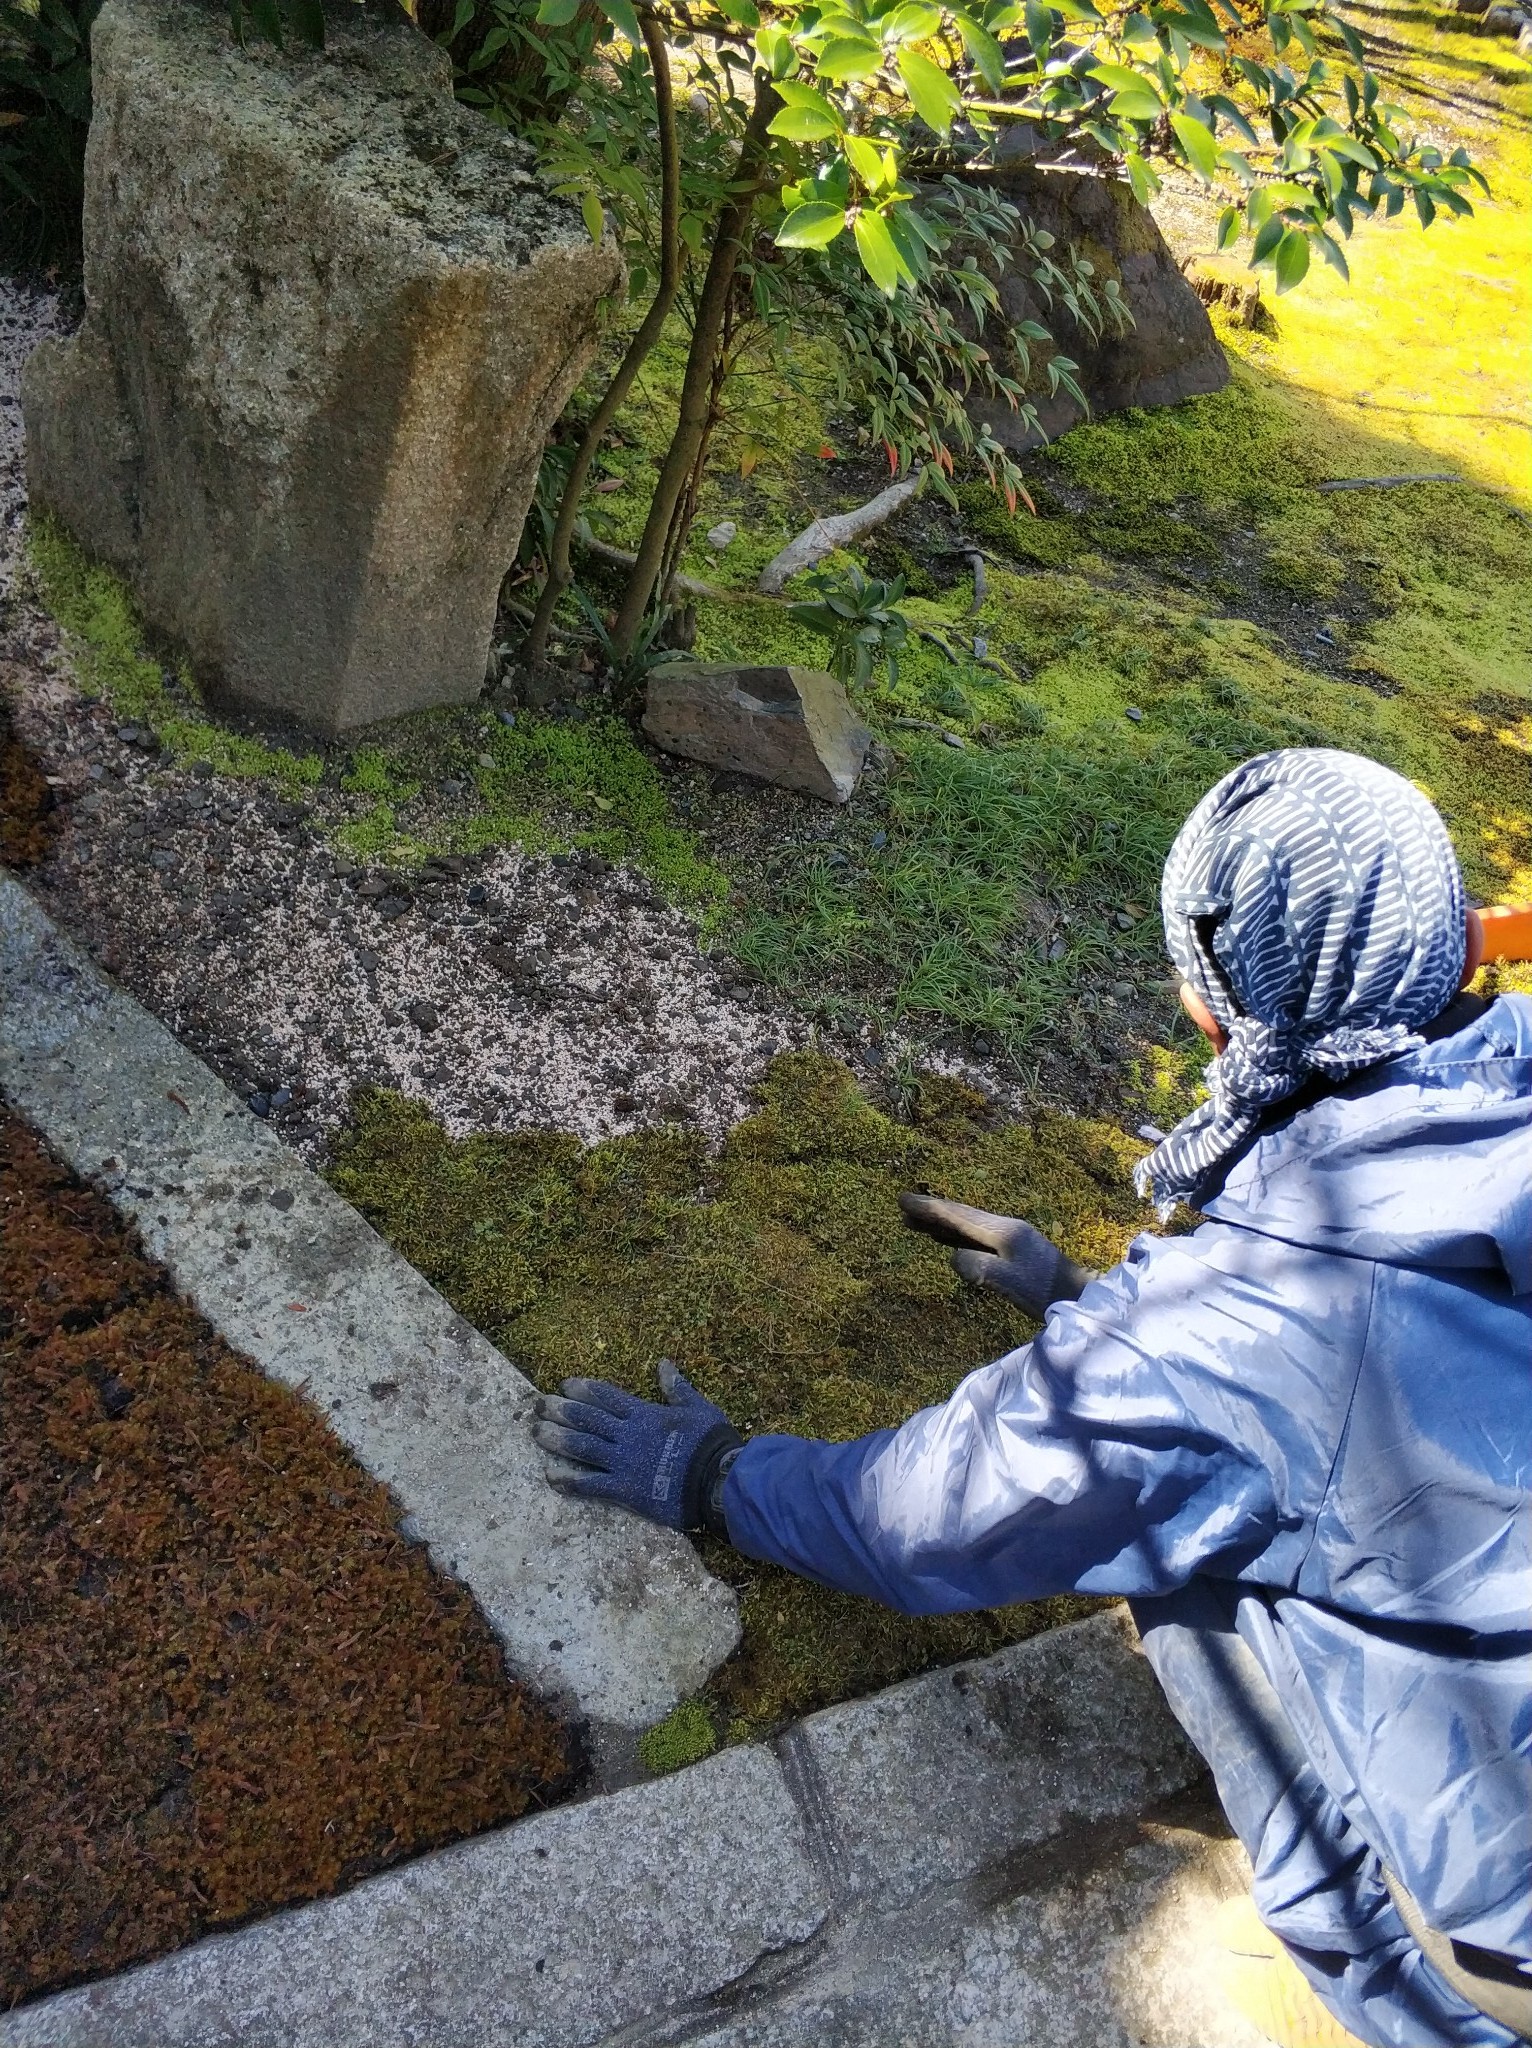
x=105 y=641
x=685 y=1736
x=544 y=784
x=776 y=1273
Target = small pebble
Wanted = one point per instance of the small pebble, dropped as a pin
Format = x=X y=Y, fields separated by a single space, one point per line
x=260 y=1105
x=281 y=1098
x=507 y=717
x=953 y=739
x=983 y=1048
x=719 y=536
x=1135 y=714
x=1327 y=638
x=424 y=1015
x=477 y=893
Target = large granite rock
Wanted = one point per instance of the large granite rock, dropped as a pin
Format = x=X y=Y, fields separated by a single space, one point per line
x=331 y=316
x=792 y=726
x=1170 y=352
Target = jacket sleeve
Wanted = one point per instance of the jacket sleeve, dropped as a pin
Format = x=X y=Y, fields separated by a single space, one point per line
x=1142 y=1436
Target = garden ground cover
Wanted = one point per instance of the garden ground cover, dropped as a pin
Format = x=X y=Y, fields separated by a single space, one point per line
x=231 y=1684
x=1184 y=597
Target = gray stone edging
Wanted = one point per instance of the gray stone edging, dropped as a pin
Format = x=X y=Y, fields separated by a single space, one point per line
x=739 y=1900
x=601 y=1610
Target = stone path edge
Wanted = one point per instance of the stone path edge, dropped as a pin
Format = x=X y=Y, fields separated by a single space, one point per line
x=607 y=1615
x=659 y=1911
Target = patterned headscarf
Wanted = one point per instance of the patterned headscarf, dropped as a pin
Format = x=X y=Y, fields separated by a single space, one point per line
x=1313 y=900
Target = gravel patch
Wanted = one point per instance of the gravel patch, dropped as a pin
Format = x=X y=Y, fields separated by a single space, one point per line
x=506 y=991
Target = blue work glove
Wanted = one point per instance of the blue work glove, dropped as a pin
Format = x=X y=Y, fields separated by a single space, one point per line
x=1000 y=1252
x=664 y=1459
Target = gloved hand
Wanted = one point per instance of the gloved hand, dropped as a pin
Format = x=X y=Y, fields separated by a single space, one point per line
x=664 y=1459
x=1000 y=1252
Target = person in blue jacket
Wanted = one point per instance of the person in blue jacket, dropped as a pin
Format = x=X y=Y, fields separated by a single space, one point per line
x=1299 y=1439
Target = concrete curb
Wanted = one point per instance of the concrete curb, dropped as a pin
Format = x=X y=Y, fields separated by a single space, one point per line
x=973 y=1856
x=603 y=1611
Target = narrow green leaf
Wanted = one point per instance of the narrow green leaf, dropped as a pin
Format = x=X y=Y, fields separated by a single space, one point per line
x=745 y=12
x=1145 y=184
x=988 y=57
x=1229 y=225
x=594 y=218
x=932 y=94
x=1267 y=239
x=621 y=15
x=1335 y=256
x=774 y=49
x=557 y=13
x=867 y=160
x=875 y=246
x=1196 y=138
x=1292 y=259
x=1039 y=29
x=811 y=226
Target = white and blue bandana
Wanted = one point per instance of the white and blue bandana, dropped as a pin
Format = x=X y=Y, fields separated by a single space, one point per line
x=1313 y=900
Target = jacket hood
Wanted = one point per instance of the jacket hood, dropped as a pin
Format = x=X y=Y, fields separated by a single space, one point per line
x=1425 y=1160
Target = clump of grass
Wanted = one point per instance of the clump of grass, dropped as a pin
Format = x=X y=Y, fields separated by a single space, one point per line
x=778 y=1275
x=685 y=1736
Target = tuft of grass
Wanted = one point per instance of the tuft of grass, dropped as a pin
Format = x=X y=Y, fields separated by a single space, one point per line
x=776 y=1272
x=685 y=1736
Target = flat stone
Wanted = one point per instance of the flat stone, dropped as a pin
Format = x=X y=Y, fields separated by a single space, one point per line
x=994 y=1756
x=331 y=315
x=599 y=1609
x=791 y=726
x=1101 y=1938
x=549 y=1934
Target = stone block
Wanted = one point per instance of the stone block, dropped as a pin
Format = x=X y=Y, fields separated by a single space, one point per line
x=995 y=1757
x=552 y=1933
x=605 y=1612
x=792 y=726
x=331 y=315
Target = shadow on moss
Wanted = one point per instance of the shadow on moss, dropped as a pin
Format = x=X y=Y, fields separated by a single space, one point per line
x=776 y=1272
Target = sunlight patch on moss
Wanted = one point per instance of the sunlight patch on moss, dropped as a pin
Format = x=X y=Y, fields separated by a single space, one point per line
x=685 y=1736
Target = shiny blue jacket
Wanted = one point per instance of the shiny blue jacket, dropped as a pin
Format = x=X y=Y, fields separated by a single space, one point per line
x=1320 y=1405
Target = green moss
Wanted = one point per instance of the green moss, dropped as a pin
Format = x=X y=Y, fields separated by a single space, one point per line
x=545 y=784
x=105 y=641
x=685 y=1736
x=777 y=1273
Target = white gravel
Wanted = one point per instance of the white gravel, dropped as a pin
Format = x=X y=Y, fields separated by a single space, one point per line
x=568 y=998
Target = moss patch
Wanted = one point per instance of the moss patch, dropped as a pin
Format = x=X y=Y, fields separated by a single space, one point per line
x=685 y=1736
x=776 y=1273
x=231 y=1684
x=545 y=784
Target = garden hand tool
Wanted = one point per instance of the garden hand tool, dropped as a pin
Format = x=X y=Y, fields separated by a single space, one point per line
x=1001 y=1252
x=663 y=1459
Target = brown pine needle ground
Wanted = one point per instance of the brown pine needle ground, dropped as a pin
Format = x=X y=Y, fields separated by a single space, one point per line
x=229 y=1683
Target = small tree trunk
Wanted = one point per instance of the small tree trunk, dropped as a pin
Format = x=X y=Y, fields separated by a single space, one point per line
x=696 y=388
x=559 y=572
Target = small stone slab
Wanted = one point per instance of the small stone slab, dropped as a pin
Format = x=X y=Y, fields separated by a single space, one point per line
x=601 y=1610
x=994 y=1756
x=791 y=726
x=548 y=1934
